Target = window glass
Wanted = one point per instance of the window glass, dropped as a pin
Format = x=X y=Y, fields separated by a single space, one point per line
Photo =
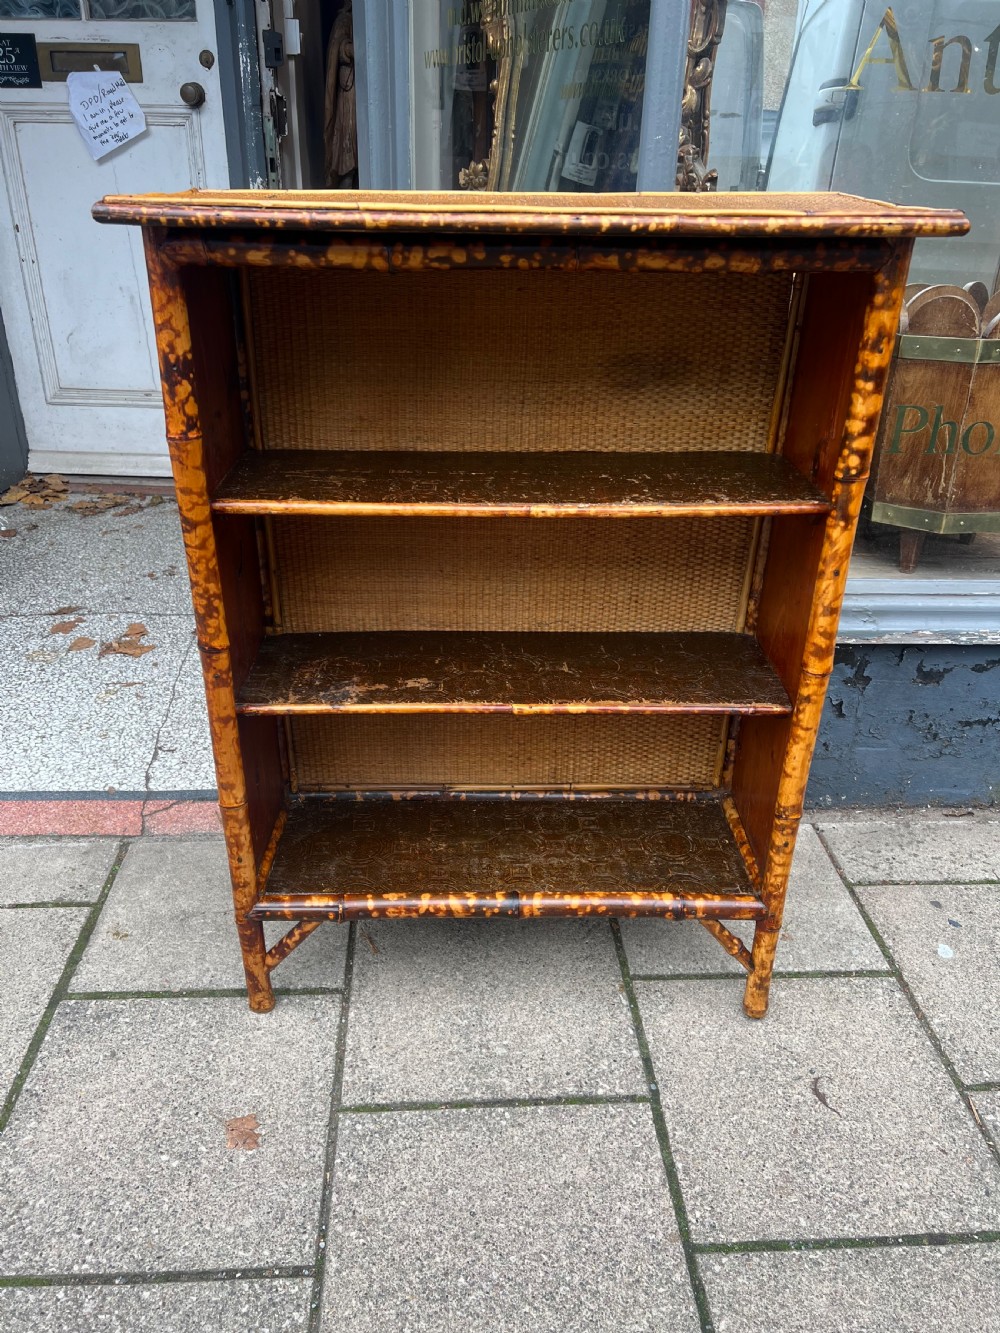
x=39 y=9
x=147 y=10
x=528 y=94
x=902 y=104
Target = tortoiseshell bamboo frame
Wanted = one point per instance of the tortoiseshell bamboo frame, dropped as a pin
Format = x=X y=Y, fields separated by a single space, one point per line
x=853 y=256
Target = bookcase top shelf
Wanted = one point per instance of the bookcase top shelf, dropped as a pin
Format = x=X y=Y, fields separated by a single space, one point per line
x=577 y=483
x=767 y=216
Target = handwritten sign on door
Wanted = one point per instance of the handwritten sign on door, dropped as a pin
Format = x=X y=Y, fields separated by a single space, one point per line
x=106 y=113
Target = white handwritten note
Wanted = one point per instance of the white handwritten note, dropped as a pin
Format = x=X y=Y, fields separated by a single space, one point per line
x=106 y=113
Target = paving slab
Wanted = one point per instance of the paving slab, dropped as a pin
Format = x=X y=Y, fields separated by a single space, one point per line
x=987 y=1105
x=448 y=1010
x=946 y=940
x=35 y=943
x=168 y=925
x=831 y=1117
x=46 y=870
x=541 y=1219
x=251 y=1306
x=919 y=851
x=823 y=930
x=183 y=759
x=104 y=562
x=99 y=723
x=115 y=1159
x=929 y=1289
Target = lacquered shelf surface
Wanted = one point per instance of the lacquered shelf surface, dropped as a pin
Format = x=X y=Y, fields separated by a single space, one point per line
x=416 y=672
x=348 y=858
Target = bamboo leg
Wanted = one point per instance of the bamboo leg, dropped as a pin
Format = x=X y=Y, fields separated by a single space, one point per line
x=758 y=987
x=242 y=873
x=260 y=993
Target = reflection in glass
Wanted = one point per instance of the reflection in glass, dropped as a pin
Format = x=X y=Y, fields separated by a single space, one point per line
x=528 y=96
x=39 y=9
x=154 y=10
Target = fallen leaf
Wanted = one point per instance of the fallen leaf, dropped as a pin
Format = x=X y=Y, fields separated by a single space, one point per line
x=100 y=504
x=369 y=941
x=242 y=1132
x=8 y=532
x=79 y=644
x=43 y=655
x=129 y=509
x=128 y=644
x=36 y=492
x=155 y=500
x=65 y=611
x=126 y=647
x=65 y=626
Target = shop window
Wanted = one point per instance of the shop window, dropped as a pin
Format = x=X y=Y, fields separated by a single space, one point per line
x=899 y=103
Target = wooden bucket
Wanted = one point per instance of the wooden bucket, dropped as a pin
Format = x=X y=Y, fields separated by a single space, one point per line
x=937 y=463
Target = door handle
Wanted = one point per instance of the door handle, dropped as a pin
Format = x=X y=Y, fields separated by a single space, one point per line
x=192 y=94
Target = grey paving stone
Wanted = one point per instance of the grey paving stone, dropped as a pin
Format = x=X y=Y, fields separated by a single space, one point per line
x=183 y=758
x=254 y=1306
x=946 y=940
x=988 y=1106
x=447 y=1010
x=932 y=1289
x=101 y=715
x=103 y=562
x=34 y=945
x=43 y=870
x=823 y=930
x=168 y=925
x=543 y=1219
x=893 y=1150
x=919 y=851
x=115 y=1158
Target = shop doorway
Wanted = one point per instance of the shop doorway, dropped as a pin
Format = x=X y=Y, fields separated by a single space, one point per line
x=74 y=294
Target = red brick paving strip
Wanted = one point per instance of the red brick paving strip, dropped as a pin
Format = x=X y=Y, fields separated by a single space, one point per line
x=119 y=819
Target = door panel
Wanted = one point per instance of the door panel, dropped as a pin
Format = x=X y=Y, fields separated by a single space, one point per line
x=74 y=294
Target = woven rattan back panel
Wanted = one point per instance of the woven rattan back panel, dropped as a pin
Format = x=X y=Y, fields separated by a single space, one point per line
x=433 y=751
x=492 y=360
x=511 y=574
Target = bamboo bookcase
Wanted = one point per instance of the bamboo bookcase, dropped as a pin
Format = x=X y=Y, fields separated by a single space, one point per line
x=517 y=529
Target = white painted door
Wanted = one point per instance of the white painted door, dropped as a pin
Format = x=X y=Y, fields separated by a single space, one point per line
x=73 y=293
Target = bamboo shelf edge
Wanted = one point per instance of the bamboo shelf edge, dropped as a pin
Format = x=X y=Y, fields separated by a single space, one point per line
x=522 y=674
x=451 y=484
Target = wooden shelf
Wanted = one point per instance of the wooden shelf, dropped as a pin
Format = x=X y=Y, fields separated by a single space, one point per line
x=394 y=672
x=521 y=485
x=341 y=859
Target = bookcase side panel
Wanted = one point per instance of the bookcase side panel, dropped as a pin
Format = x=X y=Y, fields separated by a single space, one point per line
x=807 y=565
x=831 y=321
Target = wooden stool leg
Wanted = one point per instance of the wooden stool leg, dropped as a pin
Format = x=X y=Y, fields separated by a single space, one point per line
x=755 y=997
x=911 y=545
x=260 y=993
